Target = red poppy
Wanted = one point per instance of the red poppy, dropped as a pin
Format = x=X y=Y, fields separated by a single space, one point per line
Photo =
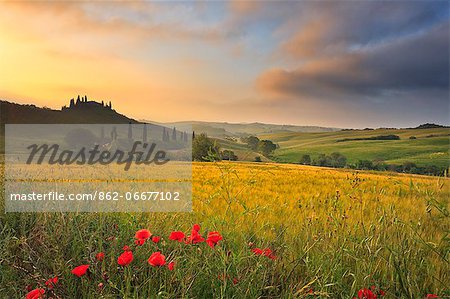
x=156 y=239
x=366 y=294
x=257 y=251
x=51 y=282
x=195 y=237
x=143 y=234
x=196 y=227
x=269 y=254
x=213 y=239
x=125 y=258
x=100 y=256
x=126 y=248
x=80 y=270
x=177 y=236
x=139 y=242
x=171 y=266
x=35 y=294
x=235 y=281
x=382 y=293
x=432 y=296
x=157 y=259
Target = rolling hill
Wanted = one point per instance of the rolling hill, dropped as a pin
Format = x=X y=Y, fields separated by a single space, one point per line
x=85 y=112
x=421 y=146
x=225 y=129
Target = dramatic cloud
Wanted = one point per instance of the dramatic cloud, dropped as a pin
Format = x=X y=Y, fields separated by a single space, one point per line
x=313 y=62
x=418 y=61
x=365 y=52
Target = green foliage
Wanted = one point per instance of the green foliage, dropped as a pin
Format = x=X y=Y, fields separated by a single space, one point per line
x=251 y=141
x=335 y=160
x=228 y=155
x=266 y=147
x=204 y=149
x=305 y=160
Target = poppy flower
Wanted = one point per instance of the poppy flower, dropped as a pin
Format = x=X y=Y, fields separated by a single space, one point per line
x=125 y=258
x=157 y=259
x=51 y=282
x=177 y=236
x=382 y=293
x=139 y=242
x=126 y=248
x=100 y=256
x=195 y=238
x=35 y=294
x=156 y=239
x=80 y=270
x=213 y=239
x=269 y=254
x=257 y=251
x=235 y=281
x=171 y=266
x=366 y=294
x=432 y=296
x=196 y=227
x=143 y=234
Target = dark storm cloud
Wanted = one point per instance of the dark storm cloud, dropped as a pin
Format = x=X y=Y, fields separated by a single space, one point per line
x=365 y=49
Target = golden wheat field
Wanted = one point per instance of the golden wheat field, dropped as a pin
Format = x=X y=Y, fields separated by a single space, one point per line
x=330 y=232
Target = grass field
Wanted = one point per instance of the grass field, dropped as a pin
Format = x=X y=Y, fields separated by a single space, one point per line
x=333 y=232
x=430 y=148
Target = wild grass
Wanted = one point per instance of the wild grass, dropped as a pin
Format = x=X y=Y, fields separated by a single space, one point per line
x=333 y=231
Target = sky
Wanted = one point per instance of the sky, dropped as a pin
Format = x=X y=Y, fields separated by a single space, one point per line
x=328 y=63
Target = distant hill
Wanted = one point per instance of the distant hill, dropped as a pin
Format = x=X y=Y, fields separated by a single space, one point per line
x=425 y=147
x=430 y=126
x=224 y=129
x=80 y=111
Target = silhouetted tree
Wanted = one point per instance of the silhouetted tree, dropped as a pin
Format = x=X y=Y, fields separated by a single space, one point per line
x=130 y=131
x=144 y=134
x=174 y=134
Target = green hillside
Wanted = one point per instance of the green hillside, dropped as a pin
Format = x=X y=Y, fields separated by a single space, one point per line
x=430 y=146
x=224 y=129
x=240 y=149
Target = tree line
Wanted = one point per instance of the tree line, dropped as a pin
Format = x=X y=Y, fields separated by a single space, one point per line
x=337 y=160
x=207 y=149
